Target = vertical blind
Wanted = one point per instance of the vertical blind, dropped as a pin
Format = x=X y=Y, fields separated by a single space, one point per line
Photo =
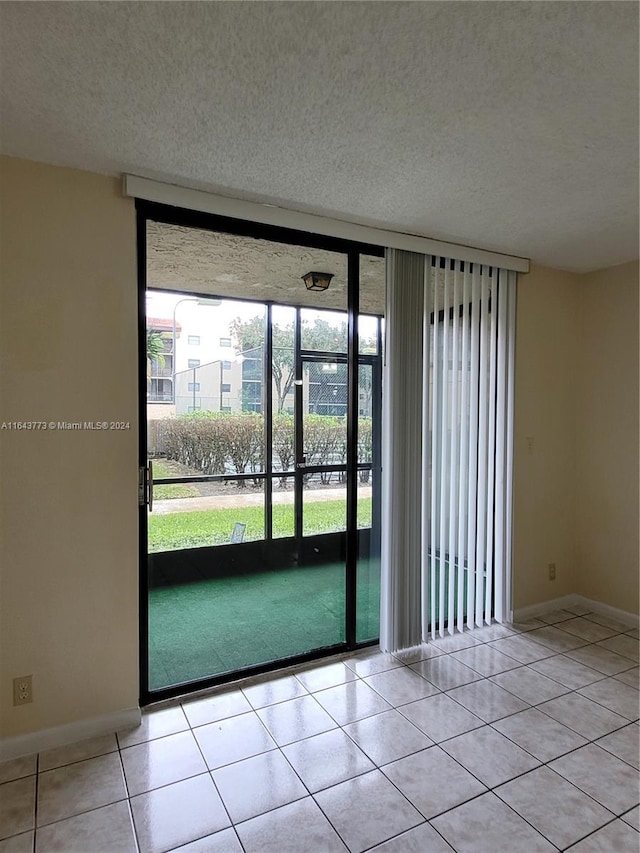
x=461 y=449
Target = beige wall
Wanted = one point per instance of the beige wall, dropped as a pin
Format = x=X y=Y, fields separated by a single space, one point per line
x=69 y=569
x=545 y=407
x=607 y=433
x=69 y=579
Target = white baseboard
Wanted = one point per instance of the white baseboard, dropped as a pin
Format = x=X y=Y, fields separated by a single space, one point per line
x=533 y=610
x=104 y=724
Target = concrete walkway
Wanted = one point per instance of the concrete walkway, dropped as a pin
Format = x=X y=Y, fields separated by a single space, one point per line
x=167 y=507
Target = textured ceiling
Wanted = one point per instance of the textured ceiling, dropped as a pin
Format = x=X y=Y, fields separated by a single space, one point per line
x=509 y=126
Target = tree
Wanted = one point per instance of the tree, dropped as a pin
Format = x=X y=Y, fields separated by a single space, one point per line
x=319 y=335
x=155 y=349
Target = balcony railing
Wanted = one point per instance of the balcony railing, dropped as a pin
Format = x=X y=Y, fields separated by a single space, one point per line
x=161 y=372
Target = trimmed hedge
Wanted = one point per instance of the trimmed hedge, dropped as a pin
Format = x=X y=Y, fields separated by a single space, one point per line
x=233 y=443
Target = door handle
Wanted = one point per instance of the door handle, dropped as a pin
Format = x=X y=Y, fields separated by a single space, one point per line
x=145 y=485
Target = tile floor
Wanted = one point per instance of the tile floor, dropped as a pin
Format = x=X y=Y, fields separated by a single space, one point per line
x=517 y=738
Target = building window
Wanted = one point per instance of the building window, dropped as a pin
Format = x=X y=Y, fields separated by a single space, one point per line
x=193 y=340
x=193 y=362
x=225 y=342
x=226 y=365
x=193 y=386
x=226 y=387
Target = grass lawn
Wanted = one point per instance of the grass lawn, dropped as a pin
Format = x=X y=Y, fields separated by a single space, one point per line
x=163 y=493
x=214 y=527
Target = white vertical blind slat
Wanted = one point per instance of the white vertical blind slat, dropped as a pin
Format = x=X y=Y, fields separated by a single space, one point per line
x=491 y=450
x=444 y=421
x=473 y=445
x=463 y=464
x=435 y=409
x=508 y=486
x=454 y=453
x=427 y=506
x=501 y=378
x=482 y=447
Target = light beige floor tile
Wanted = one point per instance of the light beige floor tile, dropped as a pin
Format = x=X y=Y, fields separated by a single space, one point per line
x=522 y=648
x=177 y=814
x=225 y=841
x=616 y=836
x=494 y=632
x=491 y=757
x=400 y=686
x=17 y=806
x=367 y=810
x=79 y=751
x=538 y=734
x=161 y=762
x=556 y=639
x=444 y=672
x=104 y=830
x=583 y=716
x=523 y=626
x=456 y=642
x=18 y=768
x=22 y=843
x=296 y=719
x=586 y=629
x=607 y=779
x=439 y=717
x=387 y=737
x=633 y=818
x=257 y=785
x=529 y=685
x=79 y=787
x=233 y=739
x=418 y=653
x=625 y=744
x=456 y=785
x=630 y=677
x=321 y=677
x=290 y=829
x=609 y=622
x=618 y=697
x=372 y=663
x=485 y=660
x=486 y=824
x=421 y=839
x=271 y=691
x=604 y=660
x=155 y=724
x=327 y=759
x=622 y=645
x=555 y=616
x=352 y=701
x=578 y=609
x=210 y=709
x=566 y=671
x=555 y=807
x=487 y=701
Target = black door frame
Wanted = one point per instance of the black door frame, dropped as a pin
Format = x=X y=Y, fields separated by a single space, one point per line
x=178 y=216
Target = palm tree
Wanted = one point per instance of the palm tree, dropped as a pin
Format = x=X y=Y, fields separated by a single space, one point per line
x=155 y=349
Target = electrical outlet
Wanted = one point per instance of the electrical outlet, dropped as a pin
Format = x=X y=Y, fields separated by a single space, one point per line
x=23 y=690
x=552 y=571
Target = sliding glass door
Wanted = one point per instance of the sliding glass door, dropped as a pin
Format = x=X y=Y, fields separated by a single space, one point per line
x=260 y=459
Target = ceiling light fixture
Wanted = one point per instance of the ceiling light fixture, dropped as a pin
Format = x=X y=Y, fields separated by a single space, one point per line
x=317 y=280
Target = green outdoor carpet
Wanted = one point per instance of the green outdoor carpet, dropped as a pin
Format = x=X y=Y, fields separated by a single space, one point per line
x=211 y=627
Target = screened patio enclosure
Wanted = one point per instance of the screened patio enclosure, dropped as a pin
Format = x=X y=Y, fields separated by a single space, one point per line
x=262 y=448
